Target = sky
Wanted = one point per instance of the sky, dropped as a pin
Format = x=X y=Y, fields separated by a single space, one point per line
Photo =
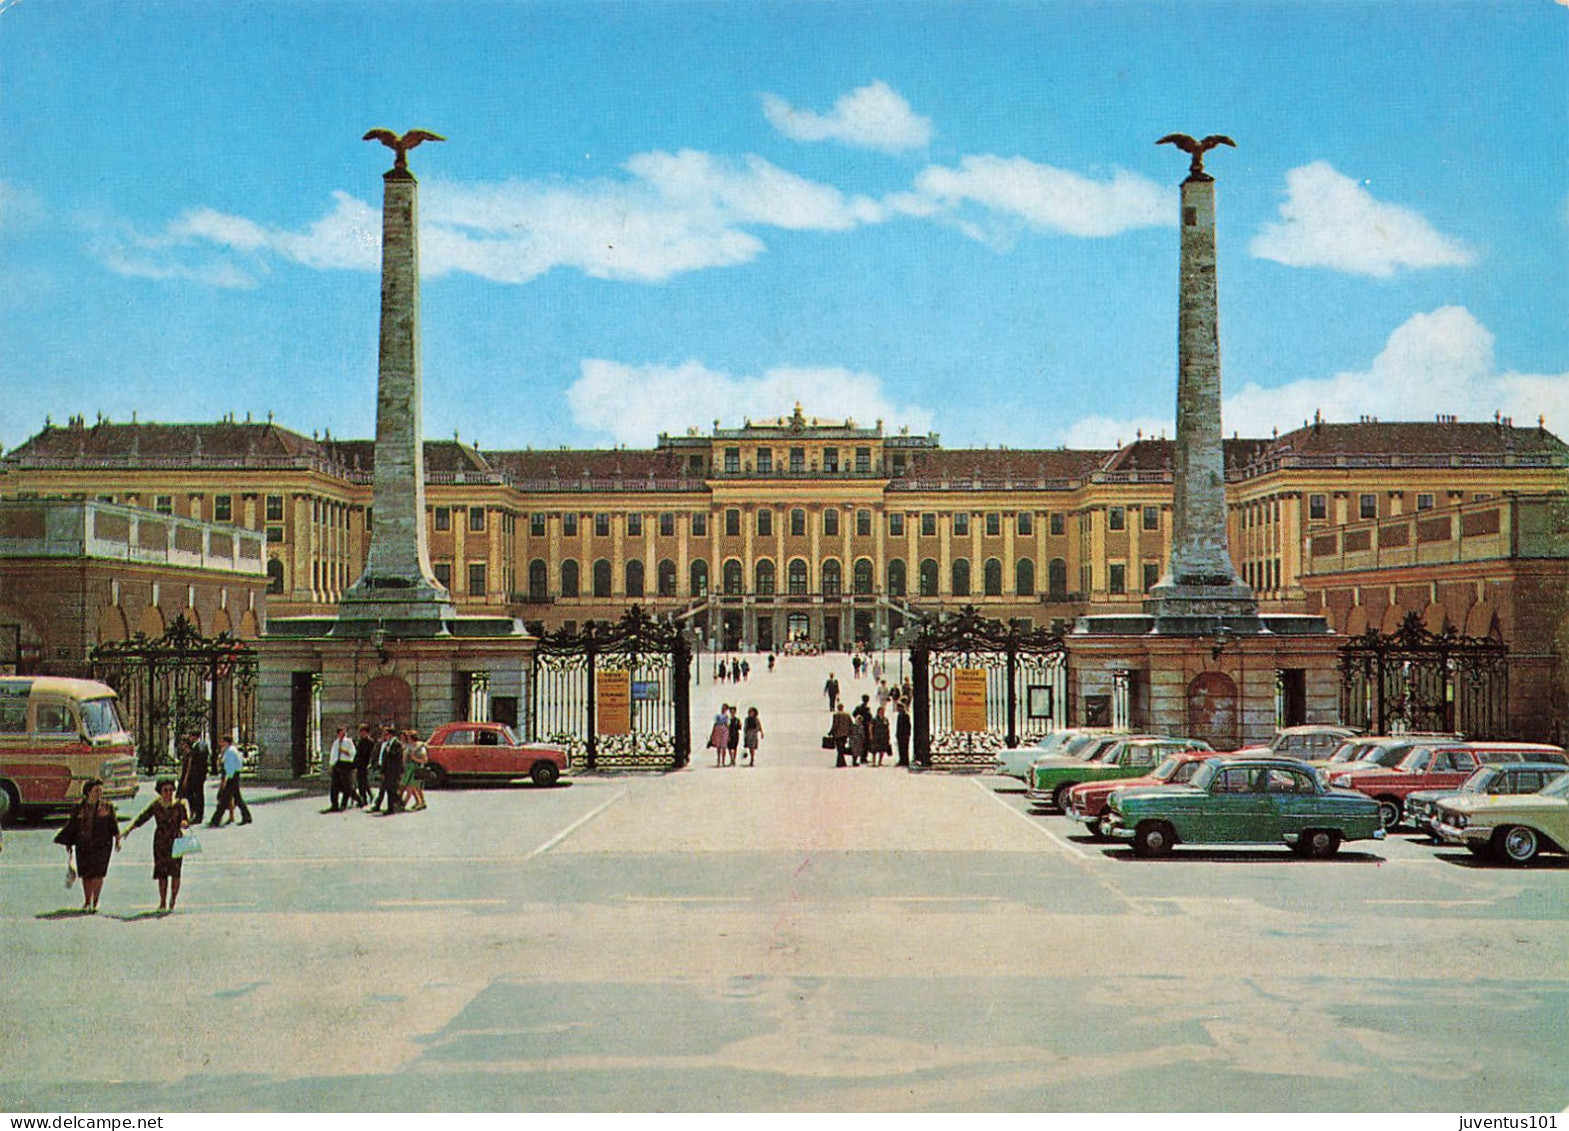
x=646 y=217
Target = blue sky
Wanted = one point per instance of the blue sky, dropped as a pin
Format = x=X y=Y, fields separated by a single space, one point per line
x=654 y=215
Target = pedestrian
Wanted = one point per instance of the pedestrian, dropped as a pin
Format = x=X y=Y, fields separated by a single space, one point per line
x=855 y=667
x=772 y=659
x=839 y=731
x=735 y=670
x=831 y=689
x=862 y=735
x=229 y=789
x=92 y=832
x=753 y=735
x=719 y=734
x=883 y=693
x=733 y=733
x=169 y=816
x=391 y=771
x=721 y=671
x=193 y=776
x=880 y=744
x=341 y=757
x=364 y=751
x=877 y=670
x=746 y=670
x=416 y=757
x=901 y=729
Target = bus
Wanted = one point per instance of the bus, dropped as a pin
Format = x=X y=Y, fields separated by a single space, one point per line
x=55 y=735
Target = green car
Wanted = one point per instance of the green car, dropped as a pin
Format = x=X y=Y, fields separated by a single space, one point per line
x=1244 y=801
x=1129 y=757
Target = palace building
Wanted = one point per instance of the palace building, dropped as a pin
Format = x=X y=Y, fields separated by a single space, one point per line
x=829 y=531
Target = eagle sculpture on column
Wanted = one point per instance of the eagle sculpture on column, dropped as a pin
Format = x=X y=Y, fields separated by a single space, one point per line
x=1197 y=149
x=401 y=145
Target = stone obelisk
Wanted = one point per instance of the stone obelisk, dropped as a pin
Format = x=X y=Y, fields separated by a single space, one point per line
x=398 y=592
x=1200 y=590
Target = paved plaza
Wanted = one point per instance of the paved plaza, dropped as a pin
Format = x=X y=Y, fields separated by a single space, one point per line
x=785 y=937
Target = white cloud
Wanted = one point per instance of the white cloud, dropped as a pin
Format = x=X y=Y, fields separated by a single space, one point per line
x=1440 y=362
x=634 y=403
x=1329 y=220
x=1105 y=432
x=1045 y=198
x=873 y=117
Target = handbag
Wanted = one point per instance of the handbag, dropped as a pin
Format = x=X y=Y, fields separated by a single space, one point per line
x=185 y=846
x=70 y=876
x=828 y=742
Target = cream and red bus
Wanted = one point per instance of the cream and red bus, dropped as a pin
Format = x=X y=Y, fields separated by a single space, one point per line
x=56 y=734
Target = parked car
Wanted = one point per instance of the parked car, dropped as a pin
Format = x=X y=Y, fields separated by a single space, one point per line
x=1051 y=780
x=481 y=751
x=1309 y=742
x=1016 y=763
x=1383 y=751
x=1513 y=829
x=1506 y=778
x=1433 y=767
x=1244 y=800
x=1087 y=802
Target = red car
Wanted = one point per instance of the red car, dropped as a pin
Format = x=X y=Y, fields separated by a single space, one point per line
x=490 y=751
x=1087 y=801
x=1445 y=766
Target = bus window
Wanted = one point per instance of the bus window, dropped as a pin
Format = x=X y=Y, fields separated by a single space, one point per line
x=55 y=718
x=100 y=718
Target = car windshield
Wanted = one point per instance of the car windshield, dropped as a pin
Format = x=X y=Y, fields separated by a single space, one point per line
x=1206 y=773
x=1479 y=781
x=1387 y=755
x=1107 y=745
x=1081 y=745
x=1166 y=769
x=100 y=717
x=1349 y=751
x=1559 y=787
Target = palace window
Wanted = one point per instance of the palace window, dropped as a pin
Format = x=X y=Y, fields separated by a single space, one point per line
x=896 y=577
x=863 y=460
x=1424 y=502
x=1151 y=518
x=765 y=522
x=993 y=525
x=992 y=577
x=1367 y=506
x=569 y=578
x=733 y=522
x=476 y=579
x=896 y=525
x=1024 y=577
x=222 y=508
x=733 y=584
x=863 y=523
x=699 y=578
x=1318 y=506
x=601 y=577
x=667 y=578
x=765 y=461
x=928 y=578
x=275 y=534
x=928 y=525
x=443 y=518
x=1116 y=519
x=831 y=521
x=833 y=581
x=700 y=525
x=798 y=523
x=830 y=459
x=797 y=577
x=667 y=525
x=732 y=460
x=863 y=576
x=536 y=525
x=476 y=518
x=634 y=577
x=1117 y=577
x=797 y=460
x=538 y=580
x=764 y=578
x=1057 y=579
x=443 y=572
x=694 y=465
x=1059 y=523
x=1151 y=575
x=634 y=526
x=601 y=526
x=569 y=525
x=274 y=576
x=274 y=508
x=961 y=577
x=961 y=524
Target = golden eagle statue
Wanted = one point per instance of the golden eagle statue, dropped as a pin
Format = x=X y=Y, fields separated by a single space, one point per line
x=401 y=145
x=1197 y=149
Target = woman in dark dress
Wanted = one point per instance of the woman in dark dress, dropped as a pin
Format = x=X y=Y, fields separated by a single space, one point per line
x=169 y=815
x=92 y=832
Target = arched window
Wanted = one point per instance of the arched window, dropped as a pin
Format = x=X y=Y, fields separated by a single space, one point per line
x=992 y=577
x=667 y=578
x=863 y=575
x=274 y=575
x=1024 y=577
x=928 y=577
x=765 y=578
x=634 y=577
x=602 y=577
x=700 y=578
x=961 y=577
x=538 y=580
x=734 y=585
x=797 y=577
x=569 y=583
x=833 y=581
x=1057 y=580
x=896 y=582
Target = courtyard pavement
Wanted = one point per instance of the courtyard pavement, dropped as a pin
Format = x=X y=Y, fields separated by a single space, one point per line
x=788 y=937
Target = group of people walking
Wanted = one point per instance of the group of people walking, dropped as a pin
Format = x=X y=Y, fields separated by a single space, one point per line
x=866 y=735
x=398 y=761
x=730 y=734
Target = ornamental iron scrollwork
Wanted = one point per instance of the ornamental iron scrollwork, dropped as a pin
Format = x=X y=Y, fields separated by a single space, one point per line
x=1414 y=679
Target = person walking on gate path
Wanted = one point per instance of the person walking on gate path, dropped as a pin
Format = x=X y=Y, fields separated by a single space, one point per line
x=719 y=734
x=861 y=736
x=746 y=670
x=883 y=694
x=733 y=733
x=901 y=728
x=416 y=756
x=877 y=670
x=229 y=791
x=752 y=735
x=772 y=659
x=193 y=776
x=92 y=832
x=839 y=731
x=169 y=817
x=342 y=756
x=880 y=744
x=831 y=689
x=391 y=758
x=855 y=667
x=364 y=751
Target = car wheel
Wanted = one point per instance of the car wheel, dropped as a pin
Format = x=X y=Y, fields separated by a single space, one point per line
x=436 y=775
x=1153 y=838
x=1517 y=844
x=1060 y=797
x=544 y=774
x=1320 y=844
x=1389 y=813
x=10 y=803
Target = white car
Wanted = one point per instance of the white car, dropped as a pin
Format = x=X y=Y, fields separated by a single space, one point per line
x=1016 y=763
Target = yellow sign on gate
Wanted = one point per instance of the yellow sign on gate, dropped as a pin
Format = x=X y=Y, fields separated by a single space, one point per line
x=613 y=702
x=969 y=699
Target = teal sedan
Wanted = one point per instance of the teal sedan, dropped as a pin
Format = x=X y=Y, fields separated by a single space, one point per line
x=1244 y=801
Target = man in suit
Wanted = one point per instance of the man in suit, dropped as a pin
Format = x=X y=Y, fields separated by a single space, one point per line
x=902 y=728
x=391 y=770
x=364 y=749
x=194 y=756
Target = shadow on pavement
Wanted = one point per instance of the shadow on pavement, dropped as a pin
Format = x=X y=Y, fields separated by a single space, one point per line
x=1234 y=856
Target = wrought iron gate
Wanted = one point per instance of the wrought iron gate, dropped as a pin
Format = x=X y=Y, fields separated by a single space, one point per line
x=647 y=661
x=1020 y=693
x=180 y=682
x=1417 y=680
